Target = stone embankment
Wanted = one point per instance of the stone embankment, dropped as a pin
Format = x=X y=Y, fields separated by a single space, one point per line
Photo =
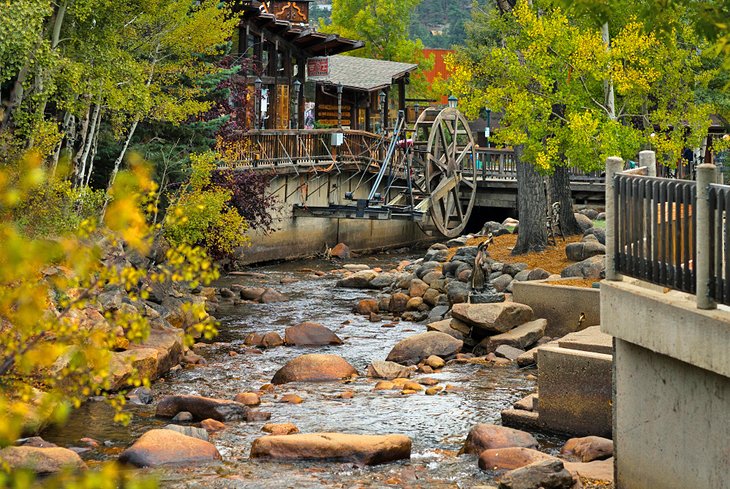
x=495 y=332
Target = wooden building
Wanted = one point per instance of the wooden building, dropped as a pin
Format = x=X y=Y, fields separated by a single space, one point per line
x=368 y=92
x=276 y=37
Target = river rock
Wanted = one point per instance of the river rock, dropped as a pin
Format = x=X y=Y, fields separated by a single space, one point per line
x=163 y=447
x=435 y=362
x=444 y=326
x=588 y=448
x=398 y=303
x=367 y=306
x=411 y=350
x=250 y=293
x=502 y=282
x=201 y=407
x=497 y=317
x=427 y=267
x=182 y=417
x=314 y=367
x=140 y=396
x=358 y=280
x=546 y=474
x=513 y=268
x=431 y=277
x=485 y=436
x=248 y=398
x=341 y=251
x=383 y=280
x=212 y=425
x=42 y=461
x=584 y=222
x=593 y=267
x=522 y=337
x=510 y=458
x=458 y=292
x=380 y=369
x=271 y=340
x=355 y=267
x=417 y=288
x=538 y=274
x=508 y=352
x=310 y=334
x=270 y=296
x=192 y=431
x=335 y=447
x=598 y=470
x=280 y=428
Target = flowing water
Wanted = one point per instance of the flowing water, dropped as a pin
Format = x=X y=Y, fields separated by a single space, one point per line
x=436 y=424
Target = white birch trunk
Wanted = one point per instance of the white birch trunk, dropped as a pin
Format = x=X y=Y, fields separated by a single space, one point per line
x=608 y=84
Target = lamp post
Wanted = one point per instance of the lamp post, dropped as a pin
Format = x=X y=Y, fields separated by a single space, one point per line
x=381 y=99
x=257 y=103
x=297 y=90
x=453 y=101
x=488 y=129
x=339 y=105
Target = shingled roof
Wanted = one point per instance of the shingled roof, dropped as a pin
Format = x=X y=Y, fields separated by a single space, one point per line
x=364 y=73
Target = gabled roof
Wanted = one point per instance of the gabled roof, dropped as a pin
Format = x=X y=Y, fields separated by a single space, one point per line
x=365 y=73
x=312 y=42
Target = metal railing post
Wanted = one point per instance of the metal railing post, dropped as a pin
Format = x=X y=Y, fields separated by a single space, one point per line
x=614 y=165
x=647 y=158
x=705 y=176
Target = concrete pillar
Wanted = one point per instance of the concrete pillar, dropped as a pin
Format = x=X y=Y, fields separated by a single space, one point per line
x=647 y=158
x=614 y=164
x=705 y=176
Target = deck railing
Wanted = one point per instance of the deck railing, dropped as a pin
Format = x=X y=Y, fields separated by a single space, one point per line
x=669 y=232
x=314 y=147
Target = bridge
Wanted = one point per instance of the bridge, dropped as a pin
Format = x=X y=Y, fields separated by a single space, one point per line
x=318 y=153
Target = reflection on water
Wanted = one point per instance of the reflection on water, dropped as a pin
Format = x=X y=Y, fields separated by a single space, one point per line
x=437 y=424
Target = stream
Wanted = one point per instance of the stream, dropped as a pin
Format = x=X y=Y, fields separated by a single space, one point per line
x=437 y=424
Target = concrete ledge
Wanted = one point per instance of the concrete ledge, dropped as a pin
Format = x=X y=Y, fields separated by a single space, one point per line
x=669 y=324
x=575 y=389
x=561 y=305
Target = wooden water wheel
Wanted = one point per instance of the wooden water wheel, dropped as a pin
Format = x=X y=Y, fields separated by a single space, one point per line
x=444 y=165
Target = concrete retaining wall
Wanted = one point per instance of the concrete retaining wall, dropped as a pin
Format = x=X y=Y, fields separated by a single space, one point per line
x=303 y=236
x=561 y=305
x=672 y=388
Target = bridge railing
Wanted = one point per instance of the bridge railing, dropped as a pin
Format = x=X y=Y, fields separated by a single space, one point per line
x=500 y=164
x=314 y=147
x=669 y=232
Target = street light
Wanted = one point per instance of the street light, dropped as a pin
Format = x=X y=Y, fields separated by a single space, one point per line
x=339 y=105
x=488 y=128
x=297 y=89
x=257 y=103
x=453 y=101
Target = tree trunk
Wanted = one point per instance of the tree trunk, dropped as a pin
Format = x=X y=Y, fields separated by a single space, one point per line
x=531 y=206
x=560 y=192
x=89 y=142
x=608 y=84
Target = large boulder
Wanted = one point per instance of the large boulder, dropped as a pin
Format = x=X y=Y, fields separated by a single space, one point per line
x=496 y=317
x=42 y=461
x=201 y=408
x=584 y=249
x=444 y=326
x=485 y=436
x=335 y=447
x=593 y=267
x=314 y=367
x=510 y=458
x=413 y=349
x=584 y=222
x=520 y=337
x=163 y=447
x=389 y=370
x=340 y=251
x=310 y=334
x=546 y=474
x=588 y=448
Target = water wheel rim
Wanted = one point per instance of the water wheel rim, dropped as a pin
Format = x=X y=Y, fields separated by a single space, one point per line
x=451 y=172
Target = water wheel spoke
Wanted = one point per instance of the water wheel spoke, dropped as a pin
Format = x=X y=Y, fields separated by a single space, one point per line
x=457 y=201
x=464 y=152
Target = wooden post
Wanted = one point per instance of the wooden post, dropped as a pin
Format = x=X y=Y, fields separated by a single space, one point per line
x=647 y=158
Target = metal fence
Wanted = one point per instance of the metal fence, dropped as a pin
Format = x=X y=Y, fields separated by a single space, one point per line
x=655 y=230
x=719 y=279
